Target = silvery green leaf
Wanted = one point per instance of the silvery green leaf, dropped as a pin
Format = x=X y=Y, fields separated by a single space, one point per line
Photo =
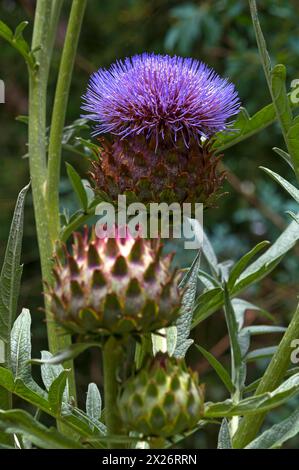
x=244 y=341
x=243 y=262
x=292 y=190
x=11 y=273
x=184 y=321
x=263 y=329
x=240 y=306
x=284 y=155
x=50 y=372
x=277 y=434
x=268 y=260
x=255 y=403
x=21 y=347
x=224 y=439
x=93 y=402
x=57 y=392
x=261 y=353
x=294 y=216
x=21 y=422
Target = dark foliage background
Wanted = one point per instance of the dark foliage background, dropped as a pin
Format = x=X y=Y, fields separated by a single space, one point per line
x=218 y=32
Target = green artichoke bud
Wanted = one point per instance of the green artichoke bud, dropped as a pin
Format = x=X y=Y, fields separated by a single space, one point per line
x=162 y=399
x=114 y=286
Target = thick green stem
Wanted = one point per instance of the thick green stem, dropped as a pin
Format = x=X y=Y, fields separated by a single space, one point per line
x=272 y=378
x=37 y=162
x=54 y=20
x=112 y=355
x=250 y=425
x=59 y=112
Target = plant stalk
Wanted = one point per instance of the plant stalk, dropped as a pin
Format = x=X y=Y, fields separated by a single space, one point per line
x=59 y=113
x=272 y=378
x=38 y=79
x=112 y=354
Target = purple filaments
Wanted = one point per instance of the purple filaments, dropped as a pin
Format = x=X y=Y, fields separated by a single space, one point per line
x=160 y=96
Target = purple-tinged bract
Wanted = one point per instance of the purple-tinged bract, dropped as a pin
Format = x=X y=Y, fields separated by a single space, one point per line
x=160 y=96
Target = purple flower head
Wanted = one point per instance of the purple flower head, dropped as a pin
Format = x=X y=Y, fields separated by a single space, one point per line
x=159 y=96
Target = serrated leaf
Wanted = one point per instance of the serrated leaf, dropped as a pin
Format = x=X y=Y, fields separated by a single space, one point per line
x=49 y=372
x=93 y=402
x=219 y=369
x=184 y=321
x=277 y=434
x=294 y=192
x=21 y=422
x=57 y=390
x=21 y=347
x=77 y=185
x=224 y=439
x=243 y=263
x=11 y=273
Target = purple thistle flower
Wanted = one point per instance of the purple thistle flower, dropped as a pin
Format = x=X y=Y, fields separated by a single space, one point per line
x=159 y=96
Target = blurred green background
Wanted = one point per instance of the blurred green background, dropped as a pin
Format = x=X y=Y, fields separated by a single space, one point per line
x=218 y=32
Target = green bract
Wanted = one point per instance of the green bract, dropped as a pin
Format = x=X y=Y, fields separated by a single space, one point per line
x=162 y=399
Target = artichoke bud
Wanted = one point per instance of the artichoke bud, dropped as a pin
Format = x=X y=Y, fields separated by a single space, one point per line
x=117 y=286
x=163 y=399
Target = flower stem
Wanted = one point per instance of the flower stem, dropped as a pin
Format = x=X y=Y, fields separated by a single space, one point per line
x=112 y=353
x=272 y=378
x=59 y=112
x=38 y=80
